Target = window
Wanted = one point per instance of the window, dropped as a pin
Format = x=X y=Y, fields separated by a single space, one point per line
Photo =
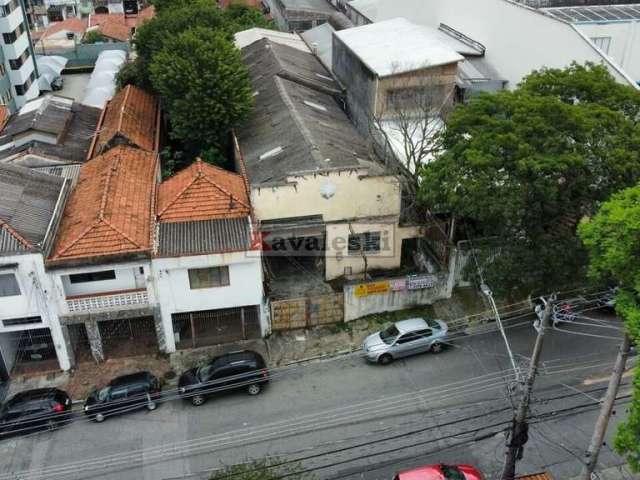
x=24 y=88
x=407 y=337
x=364 y=242
x=7 y=9
x=18 y=62
x=93 y=276
x=9 y=285
x=208 y=277
x=12 y=322
x=603 y=43
x=9 y=38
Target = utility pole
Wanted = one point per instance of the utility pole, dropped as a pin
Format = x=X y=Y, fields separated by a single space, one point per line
x=519 y=430
x=591 y=456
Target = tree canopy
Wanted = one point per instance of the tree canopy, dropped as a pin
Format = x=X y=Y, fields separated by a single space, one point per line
x=612 y=238
x=522 y=167
x=205 y=87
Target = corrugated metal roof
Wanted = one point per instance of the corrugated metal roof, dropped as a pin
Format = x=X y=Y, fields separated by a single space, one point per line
x=597 y=14
x=72 y=172
x=208 y=236
x=28 y=200
x=9 y=243
x=296 y=124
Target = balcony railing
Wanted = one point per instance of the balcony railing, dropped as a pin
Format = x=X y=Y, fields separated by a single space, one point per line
x=107 y=301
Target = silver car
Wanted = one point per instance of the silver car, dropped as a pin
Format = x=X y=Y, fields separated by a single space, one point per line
x=405 y=338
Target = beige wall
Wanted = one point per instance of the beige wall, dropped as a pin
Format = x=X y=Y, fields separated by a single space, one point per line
x=444 y=75
x=351 y=196
x=390 y=255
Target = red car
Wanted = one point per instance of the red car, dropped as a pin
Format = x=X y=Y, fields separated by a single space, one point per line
x=441 y=472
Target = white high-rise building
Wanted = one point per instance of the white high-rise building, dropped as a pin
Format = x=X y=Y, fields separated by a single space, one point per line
x=18 y=70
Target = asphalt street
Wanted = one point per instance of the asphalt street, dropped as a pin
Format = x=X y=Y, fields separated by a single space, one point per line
x=347 y=419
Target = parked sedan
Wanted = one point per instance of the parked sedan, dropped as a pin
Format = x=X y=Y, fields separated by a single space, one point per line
x=231 y=371
x=441 y=472
x=34 y=410
x=408 y=337
x=123 y=394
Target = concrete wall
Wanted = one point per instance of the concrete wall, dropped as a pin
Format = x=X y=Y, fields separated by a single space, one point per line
x=518 y=39
x=8 y=350
x=171 y=285
x=125 y=280
x=625 y=43
x=37 y=299
x=360 y=83
x=376 y=197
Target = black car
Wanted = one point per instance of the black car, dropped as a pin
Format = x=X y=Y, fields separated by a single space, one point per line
x=123 y=394
x=34 y=410
x=231 y=371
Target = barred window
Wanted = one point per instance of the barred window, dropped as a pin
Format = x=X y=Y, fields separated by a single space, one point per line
x=9 y=285
x=208 y=277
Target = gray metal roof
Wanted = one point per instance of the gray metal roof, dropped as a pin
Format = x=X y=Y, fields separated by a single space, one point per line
x=595 y=14
x=28 y=200
x=296 y=125
x=203 y=237
x=72 y=124
x=321 y=6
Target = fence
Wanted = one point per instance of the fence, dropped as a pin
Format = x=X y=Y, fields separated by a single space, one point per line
x=82 y=55
x=397 y=293
x=307 y=312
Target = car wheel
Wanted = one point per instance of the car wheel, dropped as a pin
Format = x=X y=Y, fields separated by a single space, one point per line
x=151 y=406
x=436 y=347
x=197 y=400
x=385 y=359
x=99 y=418
x=254 y=389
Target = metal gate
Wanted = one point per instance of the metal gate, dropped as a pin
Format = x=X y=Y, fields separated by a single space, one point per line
x=80 y=343
x=307 y=312
x=35 y=351
x=128 y=337
x=212 y=327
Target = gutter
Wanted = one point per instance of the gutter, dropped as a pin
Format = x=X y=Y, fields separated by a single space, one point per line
x=56 y=217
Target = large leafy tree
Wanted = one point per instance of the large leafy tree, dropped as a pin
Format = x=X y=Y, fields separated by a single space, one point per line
x=521 y=167
x=204 y=85
x=612 y=238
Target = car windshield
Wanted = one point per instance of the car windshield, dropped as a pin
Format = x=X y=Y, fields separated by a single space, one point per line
x=103 y=393
x=452 y=473
x=389 y=334
x=433 y=324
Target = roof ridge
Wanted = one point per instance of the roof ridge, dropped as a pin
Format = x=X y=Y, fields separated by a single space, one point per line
x=14 y=233
x=122 y=108
x=80 y=237
x=306 y=134
x=223 y=190
x=113 y=166
x=179 y=194
x=117 y=230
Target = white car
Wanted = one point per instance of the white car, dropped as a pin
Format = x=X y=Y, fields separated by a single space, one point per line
x=404 y=338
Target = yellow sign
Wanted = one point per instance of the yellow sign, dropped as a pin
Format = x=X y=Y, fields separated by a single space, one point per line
x=366 y=289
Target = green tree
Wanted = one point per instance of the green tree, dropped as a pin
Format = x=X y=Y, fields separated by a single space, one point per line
x=238 y=17
x=93 y=36
x=268 y=469
x=612 y=238
x=204 y=86
x=521 y=169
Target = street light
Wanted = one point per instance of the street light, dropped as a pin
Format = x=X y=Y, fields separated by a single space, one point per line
x=487 y=292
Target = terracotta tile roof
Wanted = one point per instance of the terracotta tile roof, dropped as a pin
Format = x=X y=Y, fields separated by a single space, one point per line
x=131 y=116
x=110 y=212
x=111 y=25
x=202 y=192
x=77 y=25
x=145 y=14
x=535 y=476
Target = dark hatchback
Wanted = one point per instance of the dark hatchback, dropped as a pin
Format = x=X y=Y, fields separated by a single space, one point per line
x=231 y=371
x=123 y=394
x=33 y=410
